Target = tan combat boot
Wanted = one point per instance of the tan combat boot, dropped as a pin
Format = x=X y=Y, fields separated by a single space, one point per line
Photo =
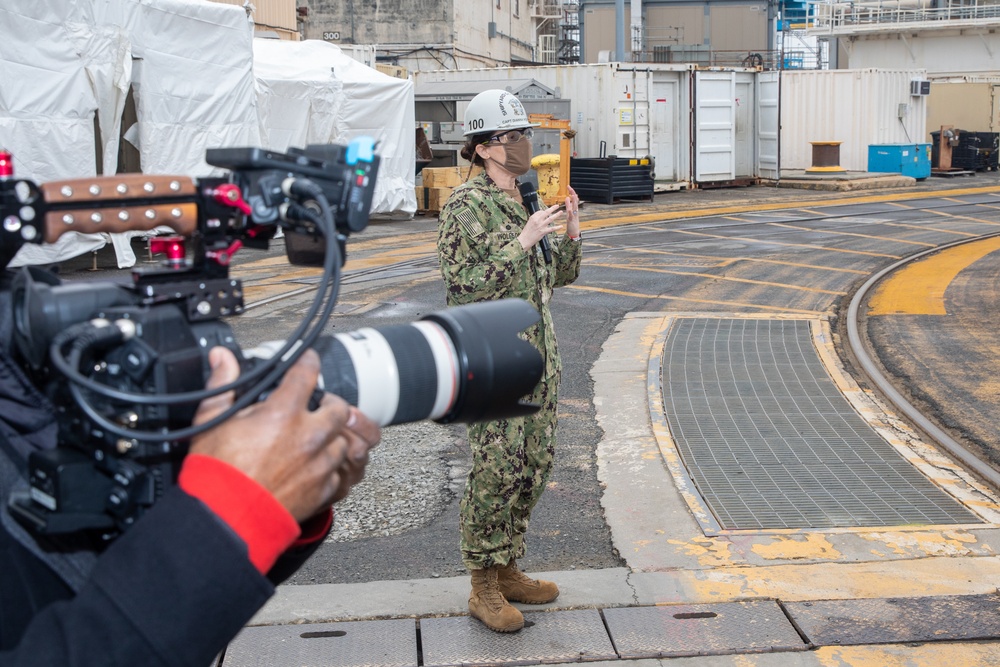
x=518 y=587
x=489 y=606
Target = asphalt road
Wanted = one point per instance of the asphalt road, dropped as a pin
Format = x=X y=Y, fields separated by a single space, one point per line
x=765 y=261
x=751 y=251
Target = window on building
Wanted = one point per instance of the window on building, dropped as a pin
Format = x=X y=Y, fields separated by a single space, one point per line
x=517 y=8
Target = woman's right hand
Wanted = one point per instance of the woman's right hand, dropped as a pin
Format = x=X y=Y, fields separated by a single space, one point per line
x=551 y=219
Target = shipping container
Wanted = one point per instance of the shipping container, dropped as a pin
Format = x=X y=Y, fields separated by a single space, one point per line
x=735 y=126
x=633 y=111
x=858 y=108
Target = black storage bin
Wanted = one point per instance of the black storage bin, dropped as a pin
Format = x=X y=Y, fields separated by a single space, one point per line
x=609 y=179
x=976 y=151
x=988 y=144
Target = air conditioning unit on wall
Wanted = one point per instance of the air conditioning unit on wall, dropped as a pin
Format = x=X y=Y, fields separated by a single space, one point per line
x=920 y=88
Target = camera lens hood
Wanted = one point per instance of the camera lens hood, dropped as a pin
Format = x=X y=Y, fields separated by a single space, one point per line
x=497 y=368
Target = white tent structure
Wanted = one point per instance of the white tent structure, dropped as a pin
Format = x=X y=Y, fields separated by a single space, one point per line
x=311 y=92
x=68 y=68
x=49 y=99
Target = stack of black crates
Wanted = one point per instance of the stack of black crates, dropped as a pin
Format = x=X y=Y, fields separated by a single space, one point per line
x=976 y=151
x=611 y=179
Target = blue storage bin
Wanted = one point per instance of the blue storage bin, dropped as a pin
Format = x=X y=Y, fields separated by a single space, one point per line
x=906 y=159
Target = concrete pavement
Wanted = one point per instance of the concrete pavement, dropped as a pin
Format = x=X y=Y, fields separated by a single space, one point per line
x=658 y=525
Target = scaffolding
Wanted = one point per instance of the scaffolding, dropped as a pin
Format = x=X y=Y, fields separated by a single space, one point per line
x=569 y=33
x=557 y=31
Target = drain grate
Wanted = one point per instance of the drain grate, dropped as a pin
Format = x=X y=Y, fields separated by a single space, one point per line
x=770 y=442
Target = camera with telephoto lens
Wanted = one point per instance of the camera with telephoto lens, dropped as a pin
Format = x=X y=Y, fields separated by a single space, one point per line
x=125 y=365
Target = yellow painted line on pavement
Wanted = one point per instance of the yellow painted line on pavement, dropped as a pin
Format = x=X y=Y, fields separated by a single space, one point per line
x=918 y=289
x=945 y=214
x=924 y=228
x=422 y=244
x=378 y=260
x=781 y=243
x=774 y=206
x=733 y=260
x=667 y=297
x=393 y=241
x=838 y=580
x=834 y=232
x=694 y=273
x=394 y=255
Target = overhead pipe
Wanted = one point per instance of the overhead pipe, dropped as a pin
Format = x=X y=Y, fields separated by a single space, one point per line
x=636 y=30
x=619 y=31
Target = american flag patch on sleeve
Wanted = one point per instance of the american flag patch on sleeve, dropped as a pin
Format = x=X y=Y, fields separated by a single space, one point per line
x=469 y=222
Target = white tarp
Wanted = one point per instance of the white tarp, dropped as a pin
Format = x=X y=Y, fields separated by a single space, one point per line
x=60 y=68
x=73 y=60
x=65 y=63
x=194 y=87
x=311 y=92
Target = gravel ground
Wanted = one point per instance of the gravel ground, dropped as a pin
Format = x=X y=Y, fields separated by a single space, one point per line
x=411 y=477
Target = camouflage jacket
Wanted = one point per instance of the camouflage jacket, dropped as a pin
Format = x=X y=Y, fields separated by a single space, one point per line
x=482 y=260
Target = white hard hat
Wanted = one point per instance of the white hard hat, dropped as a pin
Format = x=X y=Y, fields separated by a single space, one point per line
x=495 y=111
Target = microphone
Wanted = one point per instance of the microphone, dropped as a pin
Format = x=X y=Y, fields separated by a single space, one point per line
x=530 y=200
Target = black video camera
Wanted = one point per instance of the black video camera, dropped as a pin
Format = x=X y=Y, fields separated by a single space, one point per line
x=125 y=365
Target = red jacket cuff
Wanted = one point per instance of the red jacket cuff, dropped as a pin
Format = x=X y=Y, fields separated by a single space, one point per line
x=314 y=529
x=267 y=528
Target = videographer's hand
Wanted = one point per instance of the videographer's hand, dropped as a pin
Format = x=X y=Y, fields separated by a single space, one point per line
x=306 y=459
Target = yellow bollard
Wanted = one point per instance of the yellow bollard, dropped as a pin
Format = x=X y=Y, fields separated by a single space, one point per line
x=547 y=166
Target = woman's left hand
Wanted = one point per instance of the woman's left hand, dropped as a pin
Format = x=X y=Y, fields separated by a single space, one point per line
x=572 y=213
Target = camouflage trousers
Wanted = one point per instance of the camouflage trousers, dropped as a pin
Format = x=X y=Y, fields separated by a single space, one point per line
x=511 y=461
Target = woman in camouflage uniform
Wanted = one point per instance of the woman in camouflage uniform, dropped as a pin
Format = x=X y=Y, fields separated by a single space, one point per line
x=489 y=249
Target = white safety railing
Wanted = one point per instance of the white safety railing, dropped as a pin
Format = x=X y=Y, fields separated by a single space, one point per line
x=833 y=17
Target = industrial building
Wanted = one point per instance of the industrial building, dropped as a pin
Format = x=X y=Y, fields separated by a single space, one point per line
x=719 y=33
x=955 y=41
x=447 y=34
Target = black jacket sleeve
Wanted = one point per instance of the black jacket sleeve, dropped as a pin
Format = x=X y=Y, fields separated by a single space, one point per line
x=173 y=590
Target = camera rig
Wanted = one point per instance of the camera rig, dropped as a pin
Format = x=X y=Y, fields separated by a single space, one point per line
x=124 y=365
x=125 y=420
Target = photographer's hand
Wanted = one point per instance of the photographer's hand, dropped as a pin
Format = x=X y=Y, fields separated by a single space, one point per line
x=305 y=459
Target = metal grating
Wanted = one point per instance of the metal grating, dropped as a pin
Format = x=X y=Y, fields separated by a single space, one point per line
x=563 y=636
x=349 y=644
x=898 y=620
x=770 y=442
x=703 y=629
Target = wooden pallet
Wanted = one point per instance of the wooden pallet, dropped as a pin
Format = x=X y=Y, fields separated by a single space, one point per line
x=951 y=173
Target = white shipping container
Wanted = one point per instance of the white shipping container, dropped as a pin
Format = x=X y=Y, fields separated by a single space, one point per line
x=727 y=125
x=855 y=107
x=616 y=109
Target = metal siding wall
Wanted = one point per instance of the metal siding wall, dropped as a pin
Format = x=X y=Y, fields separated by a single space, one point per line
x=739 y=28
x=661 y=21
x=598 y=32
x=964 y=106
x=271 y=13
x=855 y=107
